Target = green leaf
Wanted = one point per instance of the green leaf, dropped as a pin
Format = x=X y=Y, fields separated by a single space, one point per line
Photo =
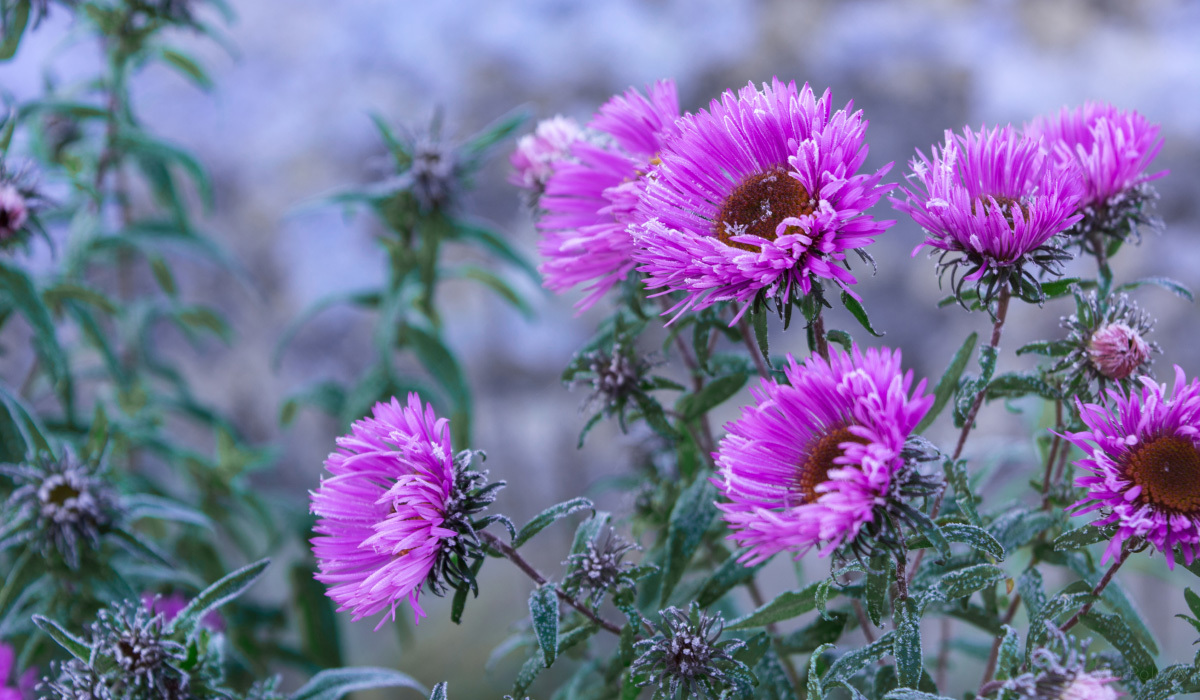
x=499 y=286
x=439 y=692
x=976 y=537
x=494 y=243
x=1008 y=656
x=931 y=534
x=549 y=516
x=859 y=313
x=758 y=317
x=543 y=610
x=1019 y=526
x=1118 y=634
x=729 y=574
x=1176 y=288
x=22 y=426
x=784 y=607
x=858 y=659
x=74 y=645
x=716 y=392
x=25 y=297
x=1047 y=348
x=15 y=30
x=693 y=512
x=1193 y=601
x=949 y=381
x=588 y=531
x=335 y=683
x=1016 y=385
x=822 y=630
x=8 y=125
x=841 y=338
x=139 y=143
x=1171 y=681
x=907 y=645
x=878 y=581
x=1081 y=537
x=494 y=133
x=187 y=66
x=1059 y=287
x=965 y=582
x=815 y=691
x=229 y=587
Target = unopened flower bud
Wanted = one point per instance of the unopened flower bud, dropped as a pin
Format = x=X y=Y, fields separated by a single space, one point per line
x=1117 y=350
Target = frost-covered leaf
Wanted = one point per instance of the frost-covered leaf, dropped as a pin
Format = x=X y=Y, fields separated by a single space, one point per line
x=785 y=606
x=336 y=683
x=906 y=646
x=543 y=610
x=693 y=512
x=548 y=517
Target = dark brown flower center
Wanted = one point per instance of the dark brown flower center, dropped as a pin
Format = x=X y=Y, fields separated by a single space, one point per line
x=815 y=469
x=1006 y=207
x=758 y=205
x=1168 y=470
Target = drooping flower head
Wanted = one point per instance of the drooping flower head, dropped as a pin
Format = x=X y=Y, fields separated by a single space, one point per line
x=1110 y=150
x=590 y=200
x=12 y=686
x=992 y=203
x=1142 y=466
x=60 y=506
x=819 y=460
x=539 y=153
x=758 y=194
x=686 y=660
x=1108 y=345
x=396 y=512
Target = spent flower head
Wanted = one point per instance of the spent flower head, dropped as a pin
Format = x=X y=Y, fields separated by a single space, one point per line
x=993 y=206
x=599 y=568
x=399 y=512
x=686 y=659
x=1106 y=345
x=1059 y=672
x=60 y=505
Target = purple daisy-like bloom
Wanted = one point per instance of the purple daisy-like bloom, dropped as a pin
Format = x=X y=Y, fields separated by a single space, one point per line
x=992 y=201
x=1110 y=148
x=539 y=153
x=811 y=462
x=590 y=199
x=23 y=686
x=759 y=193
x=381 y=510
x=1143 y=466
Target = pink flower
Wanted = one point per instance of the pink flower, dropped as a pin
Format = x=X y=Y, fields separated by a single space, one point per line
x=14 y=211
x=758 y=193
x=591 y=198
x=809 y=463
x=539 y=153
x=382 y=509
x=1142 y=466
x=24 y=686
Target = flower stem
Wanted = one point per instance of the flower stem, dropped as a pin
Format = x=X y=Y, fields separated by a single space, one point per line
x=997 y=327
x=818 y=325
x=512 y=555
x=756 y=597
x=1055 y=444
x=1108 y=576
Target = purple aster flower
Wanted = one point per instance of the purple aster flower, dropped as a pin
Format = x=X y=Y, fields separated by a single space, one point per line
x=21 y=687
x=992 y=203
x=758 y=194
x=396 y=512
x=539 y=153
x=1111 y=151
x=813 y=461
x=590 y=200
x=1143 y=466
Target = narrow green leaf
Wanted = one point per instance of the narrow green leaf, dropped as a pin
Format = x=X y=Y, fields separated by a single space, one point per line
x=498 y=285
x=336 y=683
x=1081 y=537
x=758 y=316
x=229 y=587
x=949 y=381
x=1058 y=288
x=1017 y=384
x=965 y=582
x=543 y=610
x=1176 y=288
x=74 y=645
x=784 y=607
x=187 y=66
x=1193 y=601
x=1008 y=656
x=1118 y=634
x=858 y=659
x=815 y=691
x=693 y=512
x=439 y=692
x=549 y=516
x=716 y=392
x=588 y=531
x=879 y=580
x=841 y=338
x=931 y=533
x=910 y=694
x=1047 y=348
x=494 y=243
x=1171 y=681
x=28 y=301
x=907 y=644
x=859 y=313
x=976 y=537
x=14 y=31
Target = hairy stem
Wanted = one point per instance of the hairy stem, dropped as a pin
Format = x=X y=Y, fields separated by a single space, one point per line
x=512 y=555
x=818 y=326
x=1108 y=576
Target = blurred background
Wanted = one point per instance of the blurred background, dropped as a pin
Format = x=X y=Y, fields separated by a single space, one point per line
x=288 y=121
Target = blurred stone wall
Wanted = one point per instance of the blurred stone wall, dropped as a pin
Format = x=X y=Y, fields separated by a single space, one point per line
x=288 y=122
